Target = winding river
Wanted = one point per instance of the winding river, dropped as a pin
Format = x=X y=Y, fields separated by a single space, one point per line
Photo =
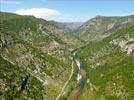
x=80 y=82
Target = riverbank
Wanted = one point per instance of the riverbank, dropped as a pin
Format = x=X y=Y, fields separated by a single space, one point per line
x=80 y=82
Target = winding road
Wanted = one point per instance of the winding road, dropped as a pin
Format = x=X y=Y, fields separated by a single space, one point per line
x=80 y=82
x=62 y=91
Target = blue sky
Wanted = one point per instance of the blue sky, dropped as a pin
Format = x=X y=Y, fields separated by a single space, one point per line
x=68 y=10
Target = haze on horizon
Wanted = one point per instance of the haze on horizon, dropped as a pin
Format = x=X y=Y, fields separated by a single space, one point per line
x=68 y=10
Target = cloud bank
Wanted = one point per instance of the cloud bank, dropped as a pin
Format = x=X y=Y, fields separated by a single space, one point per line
x=38 y=12
x=48 y=14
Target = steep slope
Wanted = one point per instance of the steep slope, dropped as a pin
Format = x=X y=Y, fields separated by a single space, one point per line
x=101 y=27
x=36 y=62
x=11 y=79
x=109 y=64
x=36 y=25
x=36 y=51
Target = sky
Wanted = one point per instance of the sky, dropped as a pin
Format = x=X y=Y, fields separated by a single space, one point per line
x=68 y=10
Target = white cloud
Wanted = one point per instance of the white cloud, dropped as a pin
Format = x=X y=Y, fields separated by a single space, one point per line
x=38 y=12
x=9 y=2
x=49 y=14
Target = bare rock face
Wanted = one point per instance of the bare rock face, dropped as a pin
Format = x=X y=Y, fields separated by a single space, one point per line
x=5 y=42
x=129 y=49
x=126 y=43
x=110 y=26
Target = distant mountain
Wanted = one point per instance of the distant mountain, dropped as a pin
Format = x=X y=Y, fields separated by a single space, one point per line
x=68 y=26
x=101 y=26
x=71 y=26
x=36 y=58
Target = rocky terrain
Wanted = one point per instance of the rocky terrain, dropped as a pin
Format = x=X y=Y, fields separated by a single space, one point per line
x=100 y=27
x=35 y=47
x=110 y=67
x=125 y=43
x=37 y=60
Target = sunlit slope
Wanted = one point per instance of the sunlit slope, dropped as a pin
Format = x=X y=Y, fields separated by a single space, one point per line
x=110 y=67
x=37 y=48
x=100 y=27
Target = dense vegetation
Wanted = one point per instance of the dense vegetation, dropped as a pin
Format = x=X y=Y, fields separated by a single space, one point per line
x=35 y=57
x=109 y=69
x=37 y=48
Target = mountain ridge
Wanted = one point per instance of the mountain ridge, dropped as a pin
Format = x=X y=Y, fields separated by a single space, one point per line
x=36 y=59
x=102 y=26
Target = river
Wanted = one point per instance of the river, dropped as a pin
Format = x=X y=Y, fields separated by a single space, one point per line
x=80 y=82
